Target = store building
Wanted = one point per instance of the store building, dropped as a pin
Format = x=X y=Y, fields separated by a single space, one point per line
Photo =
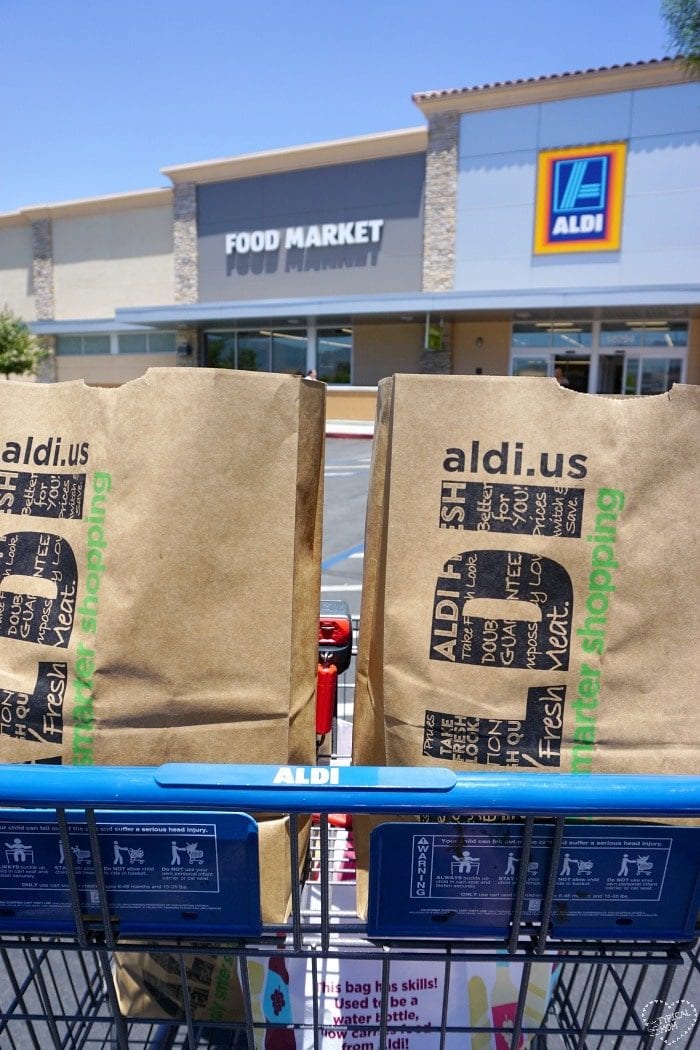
x=523 y=228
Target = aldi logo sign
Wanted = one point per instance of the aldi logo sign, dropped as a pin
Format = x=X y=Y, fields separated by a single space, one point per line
x=579 y=199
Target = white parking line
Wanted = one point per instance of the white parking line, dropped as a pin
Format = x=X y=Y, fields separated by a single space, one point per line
x=347 y=466
x=342 y=587
x=357 y=554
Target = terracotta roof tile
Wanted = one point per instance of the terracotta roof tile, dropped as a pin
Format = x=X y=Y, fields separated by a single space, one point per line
x=422 y=96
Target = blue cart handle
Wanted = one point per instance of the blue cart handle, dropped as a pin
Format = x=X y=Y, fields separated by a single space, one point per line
x=371 y=789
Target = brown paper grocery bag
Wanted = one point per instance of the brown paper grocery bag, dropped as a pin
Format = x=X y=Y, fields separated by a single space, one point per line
x=160 y=575
x=530 y=598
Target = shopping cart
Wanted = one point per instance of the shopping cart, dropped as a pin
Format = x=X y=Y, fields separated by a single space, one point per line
x=621 y=953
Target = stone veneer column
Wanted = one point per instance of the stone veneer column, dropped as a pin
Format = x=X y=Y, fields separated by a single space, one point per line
x=46 y=372
x=185 y=242
x=185 y=246
x=188 y=337
x=42 y=282
x=42 y=268
x=440 y=223
x=438 y=362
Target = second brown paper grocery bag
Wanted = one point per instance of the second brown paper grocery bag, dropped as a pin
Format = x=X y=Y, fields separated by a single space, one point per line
x=529 y=597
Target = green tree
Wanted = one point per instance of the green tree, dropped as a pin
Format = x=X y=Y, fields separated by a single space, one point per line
x=20 y=354
x=682 y=18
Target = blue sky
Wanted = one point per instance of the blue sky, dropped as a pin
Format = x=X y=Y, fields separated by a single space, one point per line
x=96 y=96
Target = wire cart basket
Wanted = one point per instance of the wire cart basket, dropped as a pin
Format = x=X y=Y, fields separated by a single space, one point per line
x=588 y=924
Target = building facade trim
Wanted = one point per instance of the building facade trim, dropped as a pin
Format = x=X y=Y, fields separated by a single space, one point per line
x=322 y=154
x=89 y=206
x=657 y=73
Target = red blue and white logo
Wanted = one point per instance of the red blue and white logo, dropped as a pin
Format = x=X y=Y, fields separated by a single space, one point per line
x=579 y=199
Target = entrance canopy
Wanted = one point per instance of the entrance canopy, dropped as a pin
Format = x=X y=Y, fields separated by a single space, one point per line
x=546 y=304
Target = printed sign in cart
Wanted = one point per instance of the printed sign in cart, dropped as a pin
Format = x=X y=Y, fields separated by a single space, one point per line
x=164 y=872
x=621 y=881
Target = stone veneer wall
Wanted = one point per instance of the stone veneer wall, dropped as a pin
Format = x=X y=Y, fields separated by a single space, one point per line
x=46 y=372
x=42 y=282
x=42 y=268
x=185 y=242
x=188 y=337
x=438 y=362
x=440 y=227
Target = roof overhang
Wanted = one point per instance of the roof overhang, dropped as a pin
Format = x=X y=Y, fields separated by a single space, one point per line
x=595 y=301
x=606 y=80
x=316 y=155
x=155 y=198
x=671 y=301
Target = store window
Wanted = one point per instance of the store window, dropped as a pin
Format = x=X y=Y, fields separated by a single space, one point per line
x=220 y=350
x=253 y=352
x=666 y=335
x=147 y=343
x=289 y=352
x=334 y=355
x=559 y=335
x=527 y=336
x=249 y=351
x=614 y=334
x=283 y=350
x=131 y=343
x=652 y=334
x=259 y=351
x=82 y=344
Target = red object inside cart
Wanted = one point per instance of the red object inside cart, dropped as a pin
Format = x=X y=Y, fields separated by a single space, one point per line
x=326 y=688
x=334 y=630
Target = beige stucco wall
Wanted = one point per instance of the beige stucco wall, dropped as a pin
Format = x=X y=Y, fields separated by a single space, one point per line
x=382 y=349
x=109 y=369
x=112 y=259
x=16 y=269
x=491 y=356
x=351 y=403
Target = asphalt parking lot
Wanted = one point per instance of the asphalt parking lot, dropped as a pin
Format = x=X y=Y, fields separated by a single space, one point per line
x=345 y=502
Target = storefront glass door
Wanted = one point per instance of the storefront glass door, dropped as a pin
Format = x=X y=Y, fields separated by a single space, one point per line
x=609 y=357
x=561 y=350
x=651 y=375
x=530 y=365
x=641 y=357
x=570 y=370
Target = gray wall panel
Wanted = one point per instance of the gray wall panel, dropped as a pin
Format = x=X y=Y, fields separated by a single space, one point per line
x=498 y=131
x=579 y=121
x=670 y=161
x=661 y=210
x=390 y=189
x=652 y=114
x=503 y=181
